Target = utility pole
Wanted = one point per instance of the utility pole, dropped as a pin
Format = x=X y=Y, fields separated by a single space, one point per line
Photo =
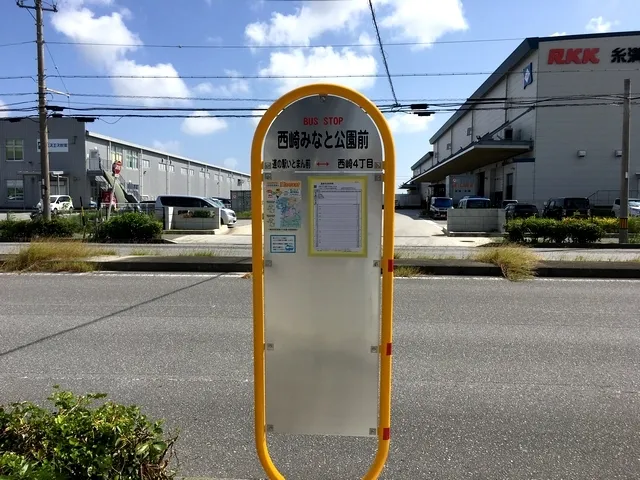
x=624 y=170
x=42 y=103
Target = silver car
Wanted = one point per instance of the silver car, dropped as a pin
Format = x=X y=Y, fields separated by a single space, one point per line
x=227 y=216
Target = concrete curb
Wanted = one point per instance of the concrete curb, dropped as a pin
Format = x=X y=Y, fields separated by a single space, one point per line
x=456 y=267
x=546 y=269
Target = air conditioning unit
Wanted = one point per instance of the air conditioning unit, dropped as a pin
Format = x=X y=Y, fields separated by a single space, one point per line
x=469 y=131
x=508 y=133
x=448 y=146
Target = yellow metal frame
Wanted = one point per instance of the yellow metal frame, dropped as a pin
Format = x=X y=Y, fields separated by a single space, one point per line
x=389 y=177
x=363 y=218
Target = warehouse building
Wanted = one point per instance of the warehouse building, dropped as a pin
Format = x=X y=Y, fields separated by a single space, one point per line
x=81 y=166
x=547 y=123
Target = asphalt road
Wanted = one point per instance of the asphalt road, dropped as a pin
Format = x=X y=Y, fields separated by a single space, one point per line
x=491 y=379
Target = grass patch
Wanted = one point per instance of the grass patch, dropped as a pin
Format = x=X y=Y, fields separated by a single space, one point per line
x=199 y=253
x=138 y=252
x=243 y=215
x=405 y=271
x=73 y=266
x=53 y=257
x=516 y=263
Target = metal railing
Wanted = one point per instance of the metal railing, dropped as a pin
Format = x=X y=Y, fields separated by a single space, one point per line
x=607 y=197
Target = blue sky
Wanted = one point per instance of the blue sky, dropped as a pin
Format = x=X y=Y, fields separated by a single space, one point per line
x=278 y=28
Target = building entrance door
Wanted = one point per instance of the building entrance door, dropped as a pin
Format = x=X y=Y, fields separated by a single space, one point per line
x=481 y=176
x=31 y=190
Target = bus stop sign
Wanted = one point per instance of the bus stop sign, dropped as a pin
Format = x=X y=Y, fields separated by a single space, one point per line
x=322 y=159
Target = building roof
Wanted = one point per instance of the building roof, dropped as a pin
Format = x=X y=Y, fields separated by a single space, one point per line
x=520 y=53
x=422 y=160
x=160 y=152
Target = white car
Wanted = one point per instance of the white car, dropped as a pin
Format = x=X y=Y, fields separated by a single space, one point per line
x=634 y=207
x=227 y=216
x=58 y=204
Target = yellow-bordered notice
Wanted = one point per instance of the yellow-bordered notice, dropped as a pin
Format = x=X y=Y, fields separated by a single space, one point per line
x=338 y=214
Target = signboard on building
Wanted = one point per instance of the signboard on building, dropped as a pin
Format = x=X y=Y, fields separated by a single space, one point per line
x=585 y=56
x=116 y=167
x=322 y=313
x=56 y=145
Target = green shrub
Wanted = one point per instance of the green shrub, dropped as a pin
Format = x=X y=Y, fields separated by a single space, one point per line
x=128 y=227
x=608 y=224
x=76 y=440
x=515 y=230
x=583 y=231
x=27 y=230
x=612 y=225
x=547 y=230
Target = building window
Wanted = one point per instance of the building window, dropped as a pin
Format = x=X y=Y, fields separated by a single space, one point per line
x=162 y=167
x=201 y=174
x=116 y=155
x=172 y=168
x=191 y=172
x=146 y=163
x=183 y=170
x=131 y=159
x=14 y=150
x=208 y=174
x=15 y=190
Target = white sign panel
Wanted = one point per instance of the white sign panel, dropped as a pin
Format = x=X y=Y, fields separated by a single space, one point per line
x=57 y=145
x=322 y=284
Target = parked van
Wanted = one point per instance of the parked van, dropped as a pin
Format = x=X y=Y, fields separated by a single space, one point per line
x=474 y=202
x=183 y=203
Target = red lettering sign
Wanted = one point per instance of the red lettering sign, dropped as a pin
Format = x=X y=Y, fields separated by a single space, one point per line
x=333 y=120
x=578 y=56
x=310 y=121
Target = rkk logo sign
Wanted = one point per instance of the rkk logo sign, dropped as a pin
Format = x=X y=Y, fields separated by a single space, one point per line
x=579 y=56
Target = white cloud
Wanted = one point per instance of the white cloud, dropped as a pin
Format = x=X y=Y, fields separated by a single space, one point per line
x=599 y=25
x=406 y=123
x=161 y=87
x=256 y=120
x=236 y=86
x=231 y=163
x=367 y=40
x=201 y=123
x=324 y=62
x=3 y=113
x=82 y=25
x=413 y=20
x=558 y=34
x=171 y=146
x=421 y=21
x=425 y=20
x=311 y=20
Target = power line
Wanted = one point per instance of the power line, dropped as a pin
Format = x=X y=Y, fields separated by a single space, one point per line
x=276 y=46
x=308 y=77
x=384 y=56
x=15 y=44
x=271 y=100
x=389 y=109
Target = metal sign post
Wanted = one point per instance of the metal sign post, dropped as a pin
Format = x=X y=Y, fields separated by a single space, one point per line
x=322 y=159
